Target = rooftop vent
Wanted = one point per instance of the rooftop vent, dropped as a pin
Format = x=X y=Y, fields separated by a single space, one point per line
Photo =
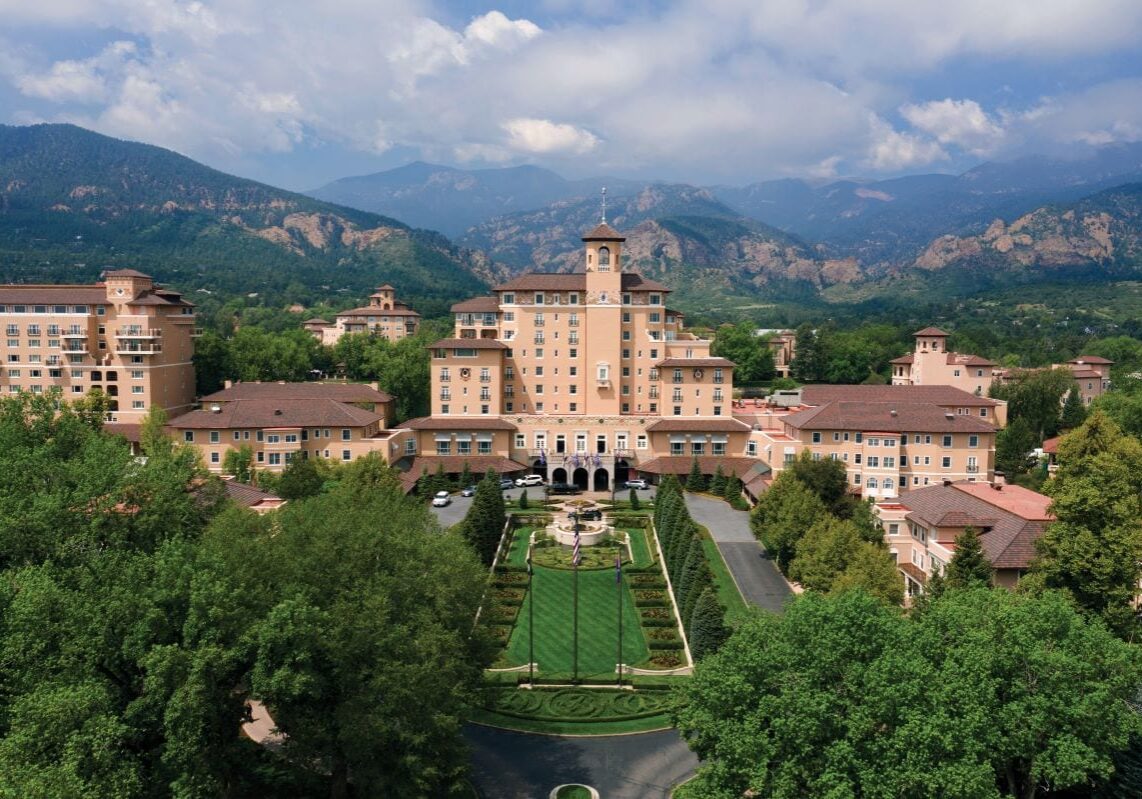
x=277 y=411
x=892 y=412
x=216 y=408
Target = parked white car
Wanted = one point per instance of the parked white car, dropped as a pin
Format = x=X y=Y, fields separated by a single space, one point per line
x=441 y=499
x=641 y=484
x=529 y=480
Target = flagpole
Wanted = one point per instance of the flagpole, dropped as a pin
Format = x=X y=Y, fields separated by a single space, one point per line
x=619 y=585
x=530 y=626
x=575 y=607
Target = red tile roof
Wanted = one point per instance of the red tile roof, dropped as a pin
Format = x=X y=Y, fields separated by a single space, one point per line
x=477 y=305
x=886 y=417
x=57 y=294
x=604 y=232
x=459 y=423
x=277 y=413
x=1014 y=517
x=574 y=281
x=955 y=358
x=930 y=331
x=1051 y=445
x=371 y=310
x=722 y=424
x=127 y=430
x=947 y=396
x=469 y=343
x=341 y=392
x=125 y=273
x=1085 y=373
x=248 y=496
x=1090 y=359
x=909 y=358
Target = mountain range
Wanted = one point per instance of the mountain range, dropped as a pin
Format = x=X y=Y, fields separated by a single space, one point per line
x=73 y=203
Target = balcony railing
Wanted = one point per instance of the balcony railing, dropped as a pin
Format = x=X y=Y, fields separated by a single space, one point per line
x=138 y=348
x=137 y=332
x=75 y=346
x=971 y=469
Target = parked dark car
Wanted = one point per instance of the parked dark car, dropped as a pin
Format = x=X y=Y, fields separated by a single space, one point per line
x=564 y=488
x=506 y=483
x=594 y=515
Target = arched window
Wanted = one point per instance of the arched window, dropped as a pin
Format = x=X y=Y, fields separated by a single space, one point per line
x=871 y=483
x=889 y=483
x=604 y=257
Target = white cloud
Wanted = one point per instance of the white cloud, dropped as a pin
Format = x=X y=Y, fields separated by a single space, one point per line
x=892 y=150
x=543 y=136
x=730 y=90
x=956 y=122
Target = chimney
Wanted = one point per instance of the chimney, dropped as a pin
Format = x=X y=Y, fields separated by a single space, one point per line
x=228 y=384
x=947 y=482
x=999 y=480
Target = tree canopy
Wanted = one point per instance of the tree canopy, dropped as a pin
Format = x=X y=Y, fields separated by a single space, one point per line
x=986 y=694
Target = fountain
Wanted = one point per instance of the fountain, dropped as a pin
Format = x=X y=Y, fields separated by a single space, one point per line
x=562 y=529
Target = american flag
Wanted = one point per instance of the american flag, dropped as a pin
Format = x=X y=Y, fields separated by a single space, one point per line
x=618 y=570
x=575 y=555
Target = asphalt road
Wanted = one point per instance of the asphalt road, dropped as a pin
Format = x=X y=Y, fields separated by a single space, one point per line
x=512 y=765
x=756 y=575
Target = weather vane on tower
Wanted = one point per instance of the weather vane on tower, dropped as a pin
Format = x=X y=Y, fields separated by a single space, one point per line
x=604 y=205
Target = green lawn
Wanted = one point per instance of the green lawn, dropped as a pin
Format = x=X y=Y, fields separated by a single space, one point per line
x=598 y=627
x=640 y=548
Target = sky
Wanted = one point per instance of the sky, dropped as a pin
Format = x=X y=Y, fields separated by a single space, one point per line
x=297 y=93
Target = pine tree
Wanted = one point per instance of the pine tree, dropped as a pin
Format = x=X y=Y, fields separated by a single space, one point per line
x=523 y=503
x=424 y=484
x=733 y=489
x=694 y=578
x=1013 y=445
x=466 y=476
x=969 y=565
x=696 y=481
x=440 y=481
x=1074 y=413
x=635 y=504
x=708 y=629
x=484 y=525
x=718 y=482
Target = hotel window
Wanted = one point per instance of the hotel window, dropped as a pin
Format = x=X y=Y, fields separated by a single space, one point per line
x=410 y=446
x=445 y=375
x=626 y=301
x=520 y=441
x=717 y=410
x=346 y=455
x=871 y=483
x=677 y=410
x=484 y=447
x=655 y=317
x=873 y=462
x=719 y=448
x=463 y=447
x=509 y=298
x=539 y=298
x=346 y=434
x=983 y=411
x=697 y=448
x=946 y=462
x=237 y=435
x=13 y=373
x=836 y=436
x=188 y=436
x=272 y=438
x=675 y=447
x=856 y=458
x=859 y=437
x=640 y=441
x=889 y=462
x=136 y=374
x=214 y=457
x=136 y=389
x=947 y=442
x=751 y=449
x=873 y=442
x=816 y=438
x=973 y=441
x=538 y=352
x=137 y=405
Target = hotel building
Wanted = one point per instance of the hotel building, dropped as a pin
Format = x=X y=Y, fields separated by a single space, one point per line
x=126 y=337
x=931 y=364
x=283 y=421
x=892 y=439
x=922 y=526
x=383 y=317
x=583 y=377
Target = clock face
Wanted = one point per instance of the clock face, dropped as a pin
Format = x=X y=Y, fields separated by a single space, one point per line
x=119 y=292
x=697 y=374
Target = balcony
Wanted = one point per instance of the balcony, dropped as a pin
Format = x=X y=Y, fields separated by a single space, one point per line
x=74 y=333
x=972 y=469
x=138 y=332
x=75 y=347
x=135 y=347
x=623 y=453
x=485 y=378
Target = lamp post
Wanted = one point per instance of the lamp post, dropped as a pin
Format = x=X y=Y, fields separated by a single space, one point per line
x=575 y=606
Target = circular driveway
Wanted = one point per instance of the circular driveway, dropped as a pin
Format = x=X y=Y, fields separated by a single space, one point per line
x=516 y=765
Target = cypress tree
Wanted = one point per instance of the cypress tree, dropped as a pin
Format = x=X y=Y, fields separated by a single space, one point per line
x=708 y=629
x=466 y=476
x=733 y=488
x=969 y=565
x=440 y=481
x=718 y=482
x=691 y=578
x=483 y=526
x=681 y=546
x=424 y=484
x=1074 y=413
x=634 y=501
x=696 y=481
x=523 y=503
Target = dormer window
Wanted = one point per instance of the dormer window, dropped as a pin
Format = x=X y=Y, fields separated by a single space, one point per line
x=604 y=259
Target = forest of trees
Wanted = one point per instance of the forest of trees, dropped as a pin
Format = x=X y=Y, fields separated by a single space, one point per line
x=139 y=609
